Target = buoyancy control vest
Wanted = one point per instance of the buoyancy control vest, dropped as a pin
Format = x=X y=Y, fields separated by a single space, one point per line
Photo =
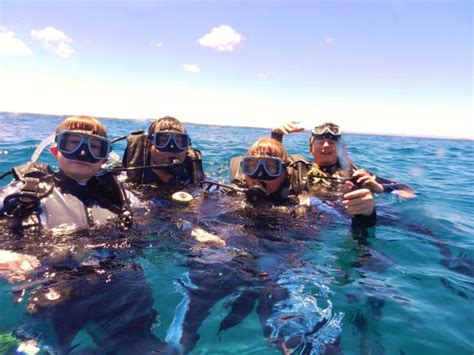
x=39 y=181
x=297 y=170
x=137 y=154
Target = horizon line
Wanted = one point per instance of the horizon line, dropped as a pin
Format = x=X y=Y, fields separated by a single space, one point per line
x=237 y=126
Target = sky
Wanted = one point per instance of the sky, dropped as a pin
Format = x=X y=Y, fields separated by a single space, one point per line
x=384 y=67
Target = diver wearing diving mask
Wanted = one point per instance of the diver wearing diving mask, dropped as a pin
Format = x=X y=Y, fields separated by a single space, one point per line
x=163 y=156
x=264 y=176
x=263 y=171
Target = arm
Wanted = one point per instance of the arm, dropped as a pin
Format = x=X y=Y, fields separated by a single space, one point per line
x=287 y=128
x=378 y=184
x=14 y=266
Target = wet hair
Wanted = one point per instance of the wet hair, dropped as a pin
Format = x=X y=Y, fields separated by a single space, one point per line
x=166 y=123
x=86 y=124
x=268 y=147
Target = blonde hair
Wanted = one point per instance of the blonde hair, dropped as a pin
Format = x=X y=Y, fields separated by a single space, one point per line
x=268 y=147
x=86 y=124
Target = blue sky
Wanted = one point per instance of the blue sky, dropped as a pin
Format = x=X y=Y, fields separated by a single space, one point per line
x=399 y=67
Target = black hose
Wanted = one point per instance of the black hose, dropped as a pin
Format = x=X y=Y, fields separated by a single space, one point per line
x=227 y=186
x=6 y=174
x=175 y=162
x=123 y=137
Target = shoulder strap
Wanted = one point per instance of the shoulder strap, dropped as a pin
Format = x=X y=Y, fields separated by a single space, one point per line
x=193 y=164
x=37 y=182
x=236 y=176
x=136 y=154
x=116 y=194
x=298 y=173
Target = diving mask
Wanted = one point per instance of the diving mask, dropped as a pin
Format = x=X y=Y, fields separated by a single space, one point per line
x=326 y=131
x=170 y=141
x=262 y=168
x=82 y=146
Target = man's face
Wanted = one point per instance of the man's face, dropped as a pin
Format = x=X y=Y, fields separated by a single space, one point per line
x=159 y=157
x=324 y=151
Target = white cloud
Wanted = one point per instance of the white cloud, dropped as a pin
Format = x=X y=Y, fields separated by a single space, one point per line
x=158 y=44
x=55 y=40
x=51 y=34
x=191 y=68
x=64 y=50
x=223 y=38
x=11 y=45
x=329 y=40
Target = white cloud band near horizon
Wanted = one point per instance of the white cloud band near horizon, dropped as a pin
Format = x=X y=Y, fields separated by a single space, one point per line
x=40 y=93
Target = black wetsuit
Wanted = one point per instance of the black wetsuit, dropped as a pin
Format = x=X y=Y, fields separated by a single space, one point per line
x=98 y=289
x=137 y=154
x=69 y=203
x=260 y=247
x=332 y=189
x=181 y=177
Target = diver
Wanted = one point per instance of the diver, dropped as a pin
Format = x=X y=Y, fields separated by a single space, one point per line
x=270 y=174
x=163 y=156
x=250 y=265
x=331 y=165
x=75 y=282
x=79 y=195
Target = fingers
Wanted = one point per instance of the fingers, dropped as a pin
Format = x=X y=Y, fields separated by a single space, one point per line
x=357 y=194
x=367 y=180
x=290 y=127
x=359 y=202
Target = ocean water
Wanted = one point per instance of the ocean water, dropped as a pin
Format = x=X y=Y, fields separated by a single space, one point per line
x=405 y=288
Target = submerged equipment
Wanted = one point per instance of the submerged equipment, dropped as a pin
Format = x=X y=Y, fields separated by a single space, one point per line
x=211 y=183
x=171 y=141
x=182 y=196
x=262 y=168
x=253 y=194
x=80 y=146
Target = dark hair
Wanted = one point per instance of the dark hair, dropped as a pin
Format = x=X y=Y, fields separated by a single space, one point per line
x=166 y=123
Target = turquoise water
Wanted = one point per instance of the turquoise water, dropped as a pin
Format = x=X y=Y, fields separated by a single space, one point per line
x=407 y=288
